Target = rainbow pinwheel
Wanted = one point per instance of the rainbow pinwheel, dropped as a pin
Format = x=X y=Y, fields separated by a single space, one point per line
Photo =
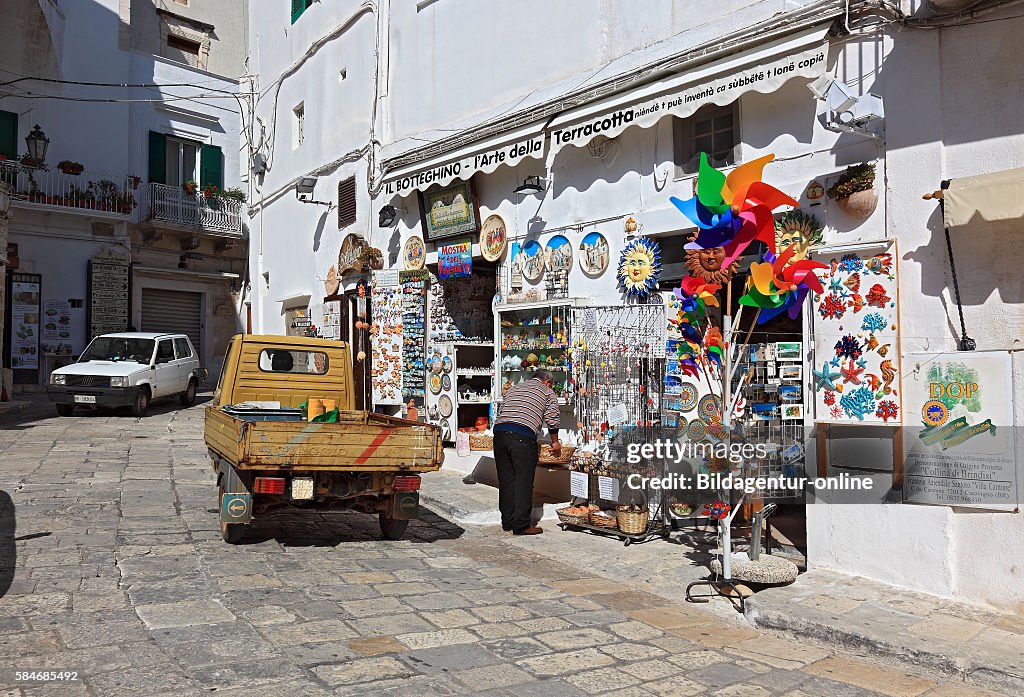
x=714 y=344
x=695 y=294
x=780 y=285
x=731 y=211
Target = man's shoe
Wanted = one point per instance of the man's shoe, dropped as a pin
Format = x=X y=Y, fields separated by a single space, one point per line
x=532 y=530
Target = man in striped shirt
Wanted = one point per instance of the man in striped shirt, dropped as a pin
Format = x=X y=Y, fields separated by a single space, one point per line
x=526 y=408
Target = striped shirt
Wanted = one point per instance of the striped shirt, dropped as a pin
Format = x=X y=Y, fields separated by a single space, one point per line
x=531 y=403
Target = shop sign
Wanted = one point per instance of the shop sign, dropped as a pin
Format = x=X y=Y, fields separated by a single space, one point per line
x=455 y=260
x=687 y=98
x=449 y=211
x=108 y=294
x=25 y=292
x=352 y=247
x=962 y=453
x=466 y=167
x=58 y=328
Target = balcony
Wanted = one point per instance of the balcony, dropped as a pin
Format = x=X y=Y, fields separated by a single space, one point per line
x=171 y=207
x=87 y=193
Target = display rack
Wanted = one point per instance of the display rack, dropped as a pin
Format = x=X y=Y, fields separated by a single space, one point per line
x=531 y=336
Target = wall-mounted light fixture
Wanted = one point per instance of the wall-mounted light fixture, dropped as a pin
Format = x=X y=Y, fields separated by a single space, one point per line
x=388 y=215
x=37 y=143
x=304 y=188
x=847 y=112
x=531 y=185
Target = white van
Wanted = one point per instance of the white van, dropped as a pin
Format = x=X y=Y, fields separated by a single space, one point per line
x=128 y=369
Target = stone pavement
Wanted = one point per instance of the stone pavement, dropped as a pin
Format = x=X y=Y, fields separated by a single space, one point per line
x=111 y=566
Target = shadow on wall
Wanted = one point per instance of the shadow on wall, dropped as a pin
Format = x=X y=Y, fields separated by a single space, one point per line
x=8 y=550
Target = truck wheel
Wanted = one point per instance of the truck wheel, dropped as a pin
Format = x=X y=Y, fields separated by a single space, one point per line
x=65 y=409
x=141 y=405
x=232 y=533
x=393 y=529
x=188 y=397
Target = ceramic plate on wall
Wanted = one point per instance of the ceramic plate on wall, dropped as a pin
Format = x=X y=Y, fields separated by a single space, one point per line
x=444 y=405
x=558 y=254
x=446 y=382
x=435 y=384
x=687 y=397
x=532 y=258
x=594 y=254
x=446 y=364
x=493 y=236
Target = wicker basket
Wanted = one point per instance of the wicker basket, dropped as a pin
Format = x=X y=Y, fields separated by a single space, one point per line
x=572 y=518
x=547 y=457
x=603 y=520
x=632 y=522
x=481 y=442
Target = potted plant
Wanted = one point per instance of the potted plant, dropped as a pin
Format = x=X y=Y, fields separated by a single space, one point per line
x=70 y=167
x=133 y=181
x=211 y=196
x=371 y=258
x=854 y=191
x=190 y=187
x=234 y=193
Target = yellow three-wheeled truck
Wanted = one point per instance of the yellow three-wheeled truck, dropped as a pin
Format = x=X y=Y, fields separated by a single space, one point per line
x=267 y=454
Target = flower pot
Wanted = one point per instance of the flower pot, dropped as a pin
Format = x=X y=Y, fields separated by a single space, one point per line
x=859 y=205
x=74 y=171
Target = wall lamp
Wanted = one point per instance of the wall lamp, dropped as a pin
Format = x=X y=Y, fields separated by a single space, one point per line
x=847 y=112
x=304 y=192
x=531 y=185
x=388 y=215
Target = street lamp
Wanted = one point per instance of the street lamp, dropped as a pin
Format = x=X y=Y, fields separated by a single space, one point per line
x=37 y=143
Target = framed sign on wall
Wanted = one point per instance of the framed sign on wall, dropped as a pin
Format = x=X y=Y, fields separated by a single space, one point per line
x=449 y=211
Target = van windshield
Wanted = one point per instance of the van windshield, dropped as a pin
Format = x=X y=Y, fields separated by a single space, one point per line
x=112 y=348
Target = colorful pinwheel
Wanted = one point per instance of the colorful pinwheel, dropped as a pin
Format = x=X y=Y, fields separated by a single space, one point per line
x=731 y=211
x=778 y=285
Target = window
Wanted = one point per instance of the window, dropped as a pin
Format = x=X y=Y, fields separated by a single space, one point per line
x=299 y=125
x=185 y=46
x=164 y=351
x=346 y=202
x=182 y=349
x=298 y=7
x=284 y=361
x=182 y=160
x=9 y=134
x=714 y=130
x=174 y=161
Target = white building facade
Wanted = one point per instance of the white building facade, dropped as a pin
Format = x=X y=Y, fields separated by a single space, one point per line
x=609 y=110
x=109 y=233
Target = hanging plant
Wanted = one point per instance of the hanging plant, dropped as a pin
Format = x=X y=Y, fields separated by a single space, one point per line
x=856 y=178
x=190 y=187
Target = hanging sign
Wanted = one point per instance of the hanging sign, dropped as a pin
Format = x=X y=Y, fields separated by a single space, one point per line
x=454 y=260
x=352 y=248
x=961 y=450
x=449 y=211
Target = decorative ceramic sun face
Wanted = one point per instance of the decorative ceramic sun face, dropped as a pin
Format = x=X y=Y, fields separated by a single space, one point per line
x=706 y=264
x=639 y=268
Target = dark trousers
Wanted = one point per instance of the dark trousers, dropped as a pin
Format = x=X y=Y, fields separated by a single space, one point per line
x=515 y=457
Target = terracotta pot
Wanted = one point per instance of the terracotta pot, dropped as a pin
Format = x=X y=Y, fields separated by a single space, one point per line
x=859 y=205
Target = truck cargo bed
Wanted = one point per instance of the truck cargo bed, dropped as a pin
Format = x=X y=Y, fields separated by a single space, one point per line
x=359 y=441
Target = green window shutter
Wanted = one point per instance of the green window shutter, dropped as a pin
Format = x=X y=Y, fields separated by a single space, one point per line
x=298 y=7
x=211 y=167
x=9 y=134
x=157 y=158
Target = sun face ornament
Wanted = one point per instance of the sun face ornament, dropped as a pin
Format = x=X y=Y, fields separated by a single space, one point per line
x=639 y=268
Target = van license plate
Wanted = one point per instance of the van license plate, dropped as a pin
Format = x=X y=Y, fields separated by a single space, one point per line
x=85 y=399
x=302 y=488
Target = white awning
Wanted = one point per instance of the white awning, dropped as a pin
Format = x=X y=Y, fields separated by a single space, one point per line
x=984 y=198
x=485 y=156
x=763 y=69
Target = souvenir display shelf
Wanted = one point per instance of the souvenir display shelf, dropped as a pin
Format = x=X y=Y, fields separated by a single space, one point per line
x=534 y=335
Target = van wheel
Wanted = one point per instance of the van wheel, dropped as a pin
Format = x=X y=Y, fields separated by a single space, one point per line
x=391 y=528
x=65 y=409
x=141 y=405
x=188 y=397
x=232 y=533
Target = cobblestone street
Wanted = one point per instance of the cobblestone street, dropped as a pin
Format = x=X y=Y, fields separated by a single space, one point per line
x=113 y=567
